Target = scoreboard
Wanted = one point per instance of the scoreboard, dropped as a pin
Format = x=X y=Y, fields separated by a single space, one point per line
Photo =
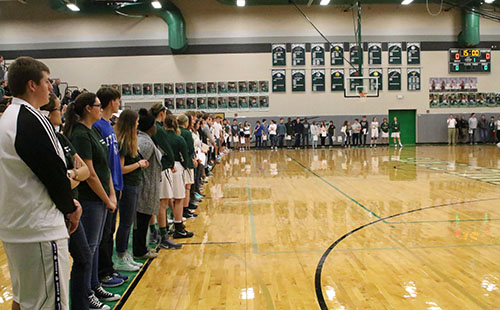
x=470 y=60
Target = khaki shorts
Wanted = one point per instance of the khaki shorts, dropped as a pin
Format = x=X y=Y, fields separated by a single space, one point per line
x=39 y=274
x=166 y=191
x=178 y=184
x=189 y=176
x=395 y=134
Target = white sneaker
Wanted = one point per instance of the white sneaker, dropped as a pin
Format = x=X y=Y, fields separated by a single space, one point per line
x=129 y=259
x=123 y=264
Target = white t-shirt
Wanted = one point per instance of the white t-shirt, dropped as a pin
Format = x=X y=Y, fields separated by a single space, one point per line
x=374 y=126
x=272 y=129
x=217 y=130
x=498 y=124
x=314 y=130
x=451 y=123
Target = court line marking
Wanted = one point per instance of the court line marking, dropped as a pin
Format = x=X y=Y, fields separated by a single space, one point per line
x=319 y=268
x=252 y=219
x=340 y=191
x=445 y=221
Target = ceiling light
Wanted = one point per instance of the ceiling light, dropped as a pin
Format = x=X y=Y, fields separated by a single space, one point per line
x=324 y=2
x=156 y=4
x=489 y=1
x=406 y=2
x=240 y=2
x=73 y=7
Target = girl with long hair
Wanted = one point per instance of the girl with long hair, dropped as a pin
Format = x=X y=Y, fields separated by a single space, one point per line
x=184 y=122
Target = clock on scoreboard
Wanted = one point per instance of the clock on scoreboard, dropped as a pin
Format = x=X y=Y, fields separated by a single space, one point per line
x=470 y=60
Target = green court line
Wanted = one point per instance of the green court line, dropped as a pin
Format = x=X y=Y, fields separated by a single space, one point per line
x=446 y=221
x=340 y=191
x=386 y=249
x=252 y=220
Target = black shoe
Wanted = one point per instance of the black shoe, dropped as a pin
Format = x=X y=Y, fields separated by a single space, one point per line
x=192 y=207
x=187 y=214
x=166 y=243
x=178 y=234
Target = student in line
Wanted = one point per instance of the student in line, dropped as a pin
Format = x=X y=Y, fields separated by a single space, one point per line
x=472 y=128
x=148 y=202
x=364 y=130
x=384 y=127
x=180 y=150
x=356 y=129
x=97 y=194
x=184 y=122
x=396 y=132
x=281 y=132
x=331 y=133
x=247 y=131
x=452 y=124
x=132 y=165
x=323 y=132
x=374 y=132
x=314 y=135
x=272 y=134
x=257 y=131
x=78 y=245
x=235 y=135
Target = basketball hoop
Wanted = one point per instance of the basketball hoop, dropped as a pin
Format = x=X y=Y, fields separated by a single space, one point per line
x=362 y=95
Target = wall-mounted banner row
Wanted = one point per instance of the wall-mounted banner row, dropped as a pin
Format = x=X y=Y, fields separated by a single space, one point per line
x=318 y=80
x=220 y=103
x=318 y=50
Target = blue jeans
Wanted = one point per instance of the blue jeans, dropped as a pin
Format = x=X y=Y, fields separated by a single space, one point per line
x=128 y=207
x=258 y=141
x=81 y=269
x=93 y=218
x=484 y=134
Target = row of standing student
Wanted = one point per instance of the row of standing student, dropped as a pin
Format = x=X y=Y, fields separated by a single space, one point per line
x=297 y=134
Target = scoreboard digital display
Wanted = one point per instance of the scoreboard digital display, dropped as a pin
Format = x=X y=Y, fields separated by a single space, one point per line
x=470 y=60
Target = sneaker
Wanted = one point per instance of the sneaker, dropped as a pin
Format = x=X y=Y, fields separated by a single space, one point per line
x=192 y=207
x=199 y=195
x=166 y=243
x=131 y=261
x=110 y=281
x=148 y=255
x=187 y=214
x=169 y=221
x=122 y=264
x=116 y=274
x=104 y=295
x=154 y=237
x=178 y=234
x=95 y=304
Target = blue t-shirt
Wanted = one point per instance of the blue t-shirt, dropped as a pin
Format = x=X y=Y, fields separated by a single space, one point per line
x=108 y=134
x=258 y=131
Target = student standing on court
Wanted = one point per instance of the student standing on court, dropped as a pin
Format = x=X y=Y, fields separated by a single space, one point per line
x=34 y=182
x=180 y=150
x=265 y=133
x=374 y=132
x=396 y=132
x=343 y=132
x=235 y=134
x=331 y=133
x=131 y=165
x=498 y=130
x=472 y=128
x=78 y=245
x=289 y=133
x=148 y=203
x=97 y=194
x=305 y=135
x=257 y=131
x=281 y=132
x=247 y=131
x=463 y=127
x=483 y=129
x=384 y=127
x=323 y=132
x=110 y=100
x=184 y=122
x=299 y=131
x=364 y=130
x=356 y=129
x=159 y=112
x=451 y=122
x=272 y=134
x=314 y=135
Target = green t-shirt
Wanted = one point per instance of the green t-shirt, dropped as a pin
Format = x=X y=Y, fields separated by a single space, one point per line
x=179 y=147
x=186 y=134
x=2 y=92
x=160 y=139
x=90 y=145
x=69 y=152
x=331 y=129
x=384 y=127
x=133 y=178
x=395 y=127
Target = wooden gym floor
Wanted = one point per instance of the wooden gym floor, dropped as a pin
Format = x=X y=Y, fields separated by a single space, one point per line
x=417 y=228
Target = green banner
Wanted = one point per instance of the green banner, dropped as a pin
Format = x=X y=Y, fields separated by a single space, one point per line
x=337 y=54
x=279 y=54
x=395 y=53
x=355 y=83
x=318 y=80
x=279 y=80
x=337 y=79
x=413 y=53
x=355 y=53
x=376 y=72
x=298 y=54
x=317 y=54
x=375 y=53
x=298 y=80
x=413 y=79
x=394 y=78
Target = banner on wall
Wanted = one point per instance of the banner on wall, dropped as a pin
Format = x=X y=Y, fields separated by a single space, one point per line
x=318 y=80
x=395 y=53
x=376 y=72
x=298 y=54
x=394 y=75
x=279 y=54
x=278 y=80
x=413 y=53
x=453 y=84
x=298 y=80
x=337 y=79
x=318 y=54
x=337 y=54
x=355 y=53
x=375 y=53
x=413 y=79
x=355 y=83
